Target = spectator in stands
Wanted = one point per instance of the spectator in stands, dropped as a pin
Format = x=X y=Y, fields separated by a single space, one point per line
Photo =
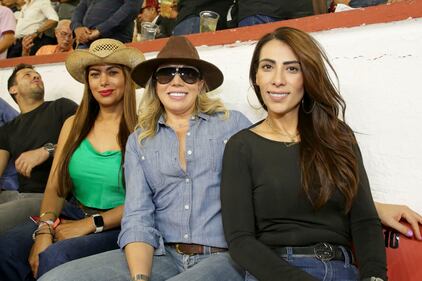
x=294 y=192
x=87 y=168
x=150 y=12
x=188 y=15
x=172 y=224
x=7 y=30
x=30 y=141
x=36 y=17
x=11 y=4
x=104 y=19
x=64 y=41
x=9 y=180
x=66 y=8
x=251 y=12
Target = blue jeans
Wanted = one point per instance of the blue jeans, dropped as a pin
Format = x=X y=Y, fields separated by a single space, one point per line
x=15 y=246
x=365 y=3
x=172 y=266
x=189 y=25
x=257 y=19
x=334 y=270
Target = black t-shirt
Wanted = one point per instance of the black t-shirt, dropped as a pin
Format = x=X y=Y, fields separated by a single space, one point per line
x=264 y=207
x=32 y=130
x=281 y=9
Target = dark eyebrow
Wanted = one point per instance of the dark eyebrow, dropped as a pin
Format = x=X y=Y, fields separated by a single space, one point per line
x=284 y=63
x=92 y=68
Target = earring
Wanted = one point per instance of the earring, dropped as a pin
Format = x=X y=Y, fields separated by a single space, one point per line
x=312 y=107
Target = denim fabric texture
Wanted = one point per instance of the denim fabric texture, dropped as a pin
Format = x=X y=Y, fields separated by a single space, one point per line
x=189 y=25
x=258 y=19
x=163 y=202
x=171 y=266
x=16 y=244
x=365 y=3
x=334 y=270
x=9 y=179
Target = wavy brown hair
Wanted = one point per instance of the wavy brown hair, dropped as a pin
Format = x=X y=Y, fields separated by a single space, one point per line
x=84 y=121
x=328 y=160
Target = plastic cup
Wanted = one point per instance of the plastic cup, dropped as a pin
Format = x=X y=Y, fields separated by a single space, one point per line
x=148 y=30
x=208 y=21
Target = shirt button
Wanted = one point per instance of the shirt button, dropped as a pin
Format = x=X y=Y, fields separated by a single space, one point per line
x=187 y=180
x=188 y=134
x=186 y=207
x=225 y=141
x=189 y=152
x=193 y=118
x=143 y=157
x=186 y=236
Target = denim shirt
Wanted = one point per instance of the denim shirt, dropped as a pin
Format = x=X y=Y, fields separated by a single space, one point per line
x=165 y=204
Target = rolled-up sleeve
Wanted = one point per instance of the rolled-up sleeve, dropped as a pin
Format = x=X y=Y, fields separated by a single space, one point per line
x=138 y=224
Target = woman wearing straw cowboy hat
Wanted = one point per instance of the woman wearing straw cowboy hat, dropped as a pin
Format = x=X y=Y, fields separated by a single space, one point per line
x=87 y=168
x=171 y=228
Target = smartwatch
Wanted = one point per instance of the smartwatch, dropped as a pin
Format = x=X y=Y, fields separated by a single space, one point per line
x=50 y=148
x=98 y=222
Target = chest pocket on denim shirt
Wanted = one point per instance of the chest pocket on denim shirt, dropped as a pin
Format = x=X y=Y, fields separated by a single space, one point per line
x=217 y=149
x=151 y=164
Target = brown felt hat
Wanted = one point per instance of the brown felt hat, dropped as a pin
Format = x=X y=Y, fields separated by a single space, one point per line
x=178 y=50
x=102 y=51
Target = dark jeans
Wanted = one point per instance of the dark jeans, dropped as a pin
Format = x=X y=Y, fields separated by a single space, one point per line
x=365 y=3
x=16 y=244
x=16 y=49
x=187 y=26
x=258 y=19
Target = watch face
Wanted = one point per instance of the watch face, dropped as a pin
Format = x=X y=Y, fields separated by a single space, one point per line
x=98 y=220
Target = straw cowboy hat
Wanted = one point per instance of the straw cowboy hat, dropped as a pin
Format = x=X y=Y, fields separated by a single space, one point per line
x=178 y=50
x=102 y=51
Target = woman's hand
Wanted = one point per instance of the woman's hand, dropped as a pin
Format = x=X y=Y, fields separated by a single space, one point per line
x=41 y=243
x=74 y=228
x=391 y=215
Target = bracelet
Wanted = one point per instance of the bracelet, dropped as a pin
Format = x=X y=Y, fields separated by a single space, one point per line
x=139 y=276
x=50 y=223
x=51 y=213
x=38 y=232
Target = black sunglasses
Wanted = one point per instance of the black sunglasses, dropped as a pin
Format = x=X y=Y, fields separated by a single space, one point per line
x=188 y=74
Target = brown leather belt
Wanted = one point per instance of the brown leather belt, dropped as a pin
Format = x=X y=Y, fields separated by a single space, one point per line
x=194 y=249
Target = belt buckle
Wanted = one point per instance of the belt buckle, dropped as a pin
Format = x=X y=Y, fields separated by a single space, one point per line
x=177 y=247
x=324 y=251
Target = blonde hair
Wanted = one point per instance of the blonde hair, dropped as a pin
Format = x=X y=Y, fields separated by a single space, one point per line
x=151 y=108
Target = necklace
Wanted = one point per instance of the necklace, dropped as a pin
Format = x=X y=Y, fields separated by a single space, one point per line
x=293 y=138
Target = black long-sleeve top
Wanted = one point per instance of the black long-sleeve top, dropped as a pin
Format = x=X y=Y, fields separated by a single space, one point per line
x=264 y=207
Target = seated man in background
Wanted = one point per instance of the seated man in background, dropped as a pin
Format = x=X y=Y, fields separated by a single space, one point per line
x=36 y=17
x=30 y=141
x=9 y=180
x=188 y=16
x=64 y=41
x=7 y=30
x=114 y=19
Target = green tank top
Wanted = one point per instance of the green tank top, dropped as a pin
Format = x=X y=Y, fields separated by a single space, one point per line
x=97 y=177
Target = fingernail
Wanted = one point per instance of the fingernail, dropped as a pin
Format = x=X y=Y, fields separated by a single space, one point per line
x=409 y=233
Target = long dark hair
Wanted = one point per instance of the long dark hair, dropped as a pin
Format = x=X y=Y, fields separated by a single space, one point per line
x=84 y=121
x=327 y=157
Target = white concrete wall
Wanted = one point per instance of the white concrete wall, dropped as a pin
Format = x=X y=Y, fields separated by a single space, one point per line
x=380 y=70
